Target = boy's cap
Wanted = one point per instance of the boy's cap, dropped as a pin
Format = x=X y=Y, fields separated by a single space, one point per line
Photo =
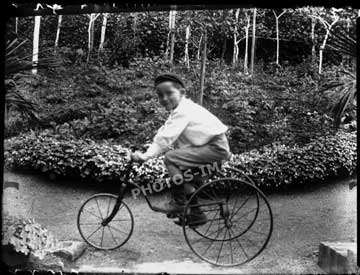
x=169 y=77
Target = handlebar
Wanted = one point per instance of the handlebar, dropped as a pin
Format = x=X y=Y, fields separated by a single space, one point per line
x=129 y=165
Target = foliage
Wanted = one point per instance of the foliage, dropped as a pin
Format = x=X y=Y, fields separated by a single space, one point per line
x=144 y=34
x=98 y=102
x=14 y=97
x=272 y=167
x=278 y=166
x=343 y=87
x=16 y=63
x=27 y=236
x=64 y=155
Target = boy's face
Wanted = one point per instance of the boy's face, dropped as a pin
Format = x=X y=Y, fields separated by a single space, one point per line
x=169 y=96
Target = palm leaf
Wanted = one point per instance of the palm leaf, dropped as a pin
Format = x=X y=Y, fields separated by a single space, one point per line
x=16 y=63
x=343 y=43
x=343 y=89
x=348 y=95
x=18 y=102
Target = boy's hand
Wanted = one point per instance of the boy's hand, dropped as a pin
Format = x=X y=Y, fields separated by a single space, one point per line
x=138 y=156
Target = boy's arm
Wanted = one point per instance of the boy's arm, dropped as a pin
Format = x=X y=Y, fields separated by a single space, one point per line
x=167 y=134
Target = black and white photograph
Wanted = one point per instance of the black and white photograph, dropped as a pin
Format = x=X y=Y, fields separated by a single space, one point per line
x=149 y=139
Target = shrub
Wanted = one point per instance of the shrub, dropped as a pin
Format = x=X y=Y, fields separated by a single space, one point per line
x=279 y=166
x=26 y=236
x=63 y=155
x=111 y=103
x=272 y=167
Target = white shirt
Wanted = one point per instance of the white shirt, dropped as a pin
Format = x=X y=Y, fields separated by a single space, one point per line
x=188 y=124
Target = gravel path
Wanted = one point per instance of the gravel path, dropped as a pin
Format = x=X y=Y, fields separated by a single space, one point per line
x=301 y=221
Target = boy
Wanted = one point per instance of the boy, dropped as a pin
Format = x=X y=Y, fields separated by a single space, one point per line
x=198 y=134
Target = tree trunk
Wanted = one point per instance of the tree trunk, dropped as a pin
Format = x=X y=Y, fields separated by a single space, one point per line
x=277 y=40
x=225 y=41
x=93 y=17
x=103 y=31
x=223 y=50
x=172 y=37
x=253 y=42
x=168 y=36
x=35 y=56
x=203 y=69
x=277 y=17
x=236 y=47
x=16 y=24
x=186 y=55
x=322 y=48
x=246 y=61
x=199 y=48
x=313 y=52
x=58 y=32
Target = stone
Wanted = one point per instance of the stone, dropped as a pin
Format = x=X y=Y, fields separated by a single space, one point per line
x=70 y=250
x=338 y=257
x=49 y=262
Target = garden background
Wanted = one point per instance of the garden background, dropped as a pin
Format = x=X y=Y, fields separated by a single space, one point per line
x=283 y=80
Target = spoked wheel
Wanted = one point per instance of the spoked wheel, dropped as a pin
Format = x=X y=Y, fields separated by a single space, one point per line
x=239 y=222
x=93 y=228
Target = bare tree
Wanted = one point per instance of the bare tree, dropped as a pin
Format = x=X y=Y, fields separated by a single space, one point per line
x=313 y=52
x=253 y=42
x=236 y=41
x=58 y=32
x=328 y=26
x=310 y=12
x=203 y=67
x=225 y=40
x=16 y=24
x=186 y=55
x=247 y=27
x=103 y=30
x=171 y=36
x=92 y=18
x=35 y=56
x=277 y=34
x=199 y=47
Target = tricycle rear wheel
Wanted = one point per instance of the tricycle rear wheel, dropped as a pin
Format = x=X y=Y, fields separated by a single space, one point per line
x=239 y=222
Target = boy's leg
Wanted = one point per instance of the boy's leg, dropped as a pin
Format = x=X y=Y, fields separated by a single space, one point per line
x=178 y=192
x=184 y=158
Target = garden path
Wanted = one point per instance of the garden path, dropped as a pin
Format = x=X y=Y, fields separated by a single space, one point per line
x=302 y=219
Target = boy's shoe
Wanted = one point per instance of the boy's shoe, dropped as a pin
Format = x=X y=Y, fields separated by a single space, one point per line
x=180 y=195
x=169 y=207
x=194 y=219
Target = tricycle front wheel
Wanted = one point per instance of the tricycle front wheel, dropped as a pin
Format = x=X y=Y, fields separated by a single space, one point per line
x=95 y=232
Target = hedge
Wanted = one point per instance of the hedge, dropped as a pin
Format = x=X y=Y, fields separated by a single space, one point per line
x=272 y=167
x=322 y=159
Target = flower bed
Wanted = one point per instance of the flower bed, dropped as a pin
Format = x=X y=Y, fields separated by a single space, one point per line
x=272 y=167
